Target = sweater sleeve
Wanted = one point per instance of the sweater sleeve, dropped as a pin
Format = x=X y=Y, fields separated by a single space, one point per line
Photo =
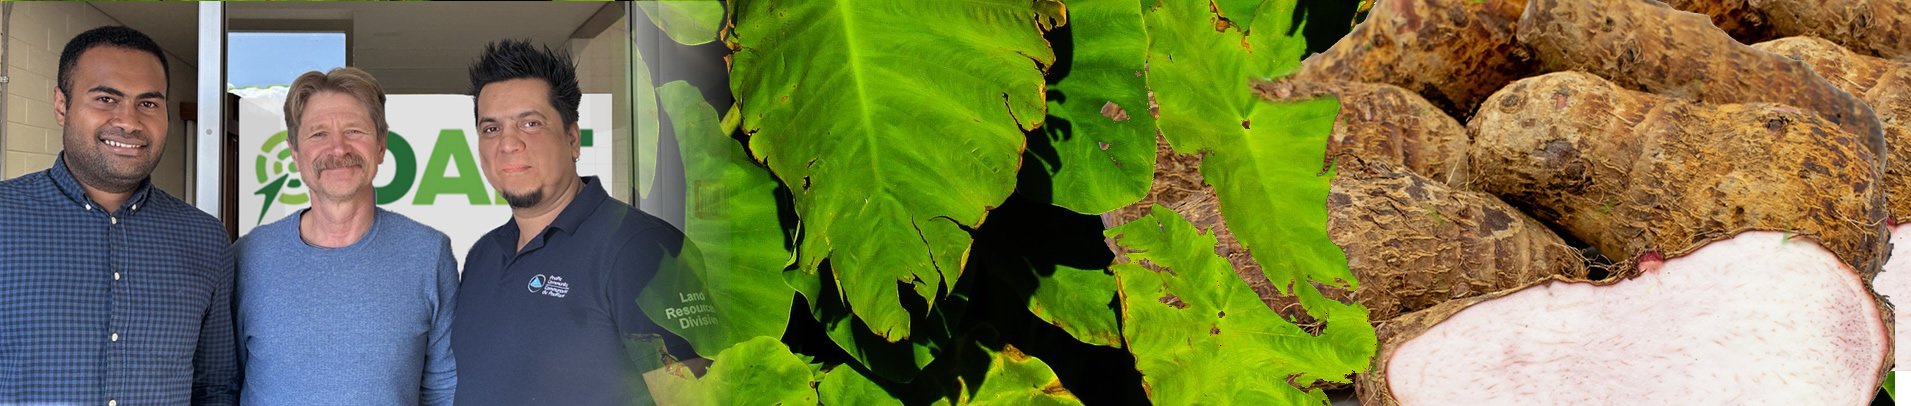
x=441 y=369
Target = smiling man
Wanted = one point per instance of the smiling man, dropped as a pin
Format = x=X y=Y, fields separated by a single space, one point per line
x=549 y=299
x=344 y=303
x=111 y=291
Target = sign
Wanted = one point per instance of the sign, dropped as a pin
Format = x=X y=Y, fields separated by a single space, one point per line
x=430 y=172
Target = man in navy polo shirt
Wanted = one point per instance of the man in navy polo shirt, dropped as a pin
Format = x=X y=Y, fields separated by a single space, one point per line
x=549 y=299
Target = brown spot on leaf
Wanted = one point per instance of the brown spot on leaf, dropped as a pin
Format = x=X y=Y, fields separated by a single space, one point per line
x=1214 y=331
x=1113 y=111
x=1173 y=301
x=1103 y=145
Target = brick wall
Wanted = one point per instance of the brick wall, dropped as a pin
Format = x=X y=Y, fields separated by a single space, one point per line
x=39 y=30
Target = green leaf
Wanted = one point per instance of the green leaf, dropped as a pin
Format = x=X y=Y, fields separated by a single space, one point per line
x=1052 y=262
x=730 y=215
x=985 y=374
x=1201 y=76
x=1099 y=130
x=1076 y=300
x=845 y=386
x=895 y=125
x=894 y=361
x=689 y=22
x=645 y=163
x=1201 y=336
x=1015 y=378
x=1890 y=382
x=761 y=371
x=1274 y=199
x=1262 y=158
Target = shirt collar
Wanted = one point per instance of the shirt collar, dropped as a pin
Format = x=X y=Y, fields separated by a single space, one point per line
x=69 y=186
x=582 y=205
x=588 y=198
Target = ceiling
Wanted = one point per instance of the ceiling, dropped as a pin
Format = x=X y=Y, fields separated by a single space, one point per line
x=174 y=25
x=411 y=47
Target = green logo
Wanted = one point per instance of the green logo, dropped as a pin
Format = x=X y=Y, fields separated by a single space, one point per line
x=276 y=170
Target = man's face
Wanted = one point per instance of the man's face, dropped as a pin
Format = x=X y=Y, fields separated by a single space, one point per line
x=338 y=149
x=113 y=117
x=525 y=150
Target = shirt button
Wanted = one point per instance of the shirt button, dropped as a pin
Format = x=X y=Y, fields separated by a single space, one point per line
x=116 y=276
x=115 y=220
x=112 y=403
x=115 y=337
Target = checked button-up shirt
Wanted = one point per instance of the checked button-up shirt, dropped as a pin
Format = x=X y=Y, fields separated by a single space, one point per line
x=128 y=308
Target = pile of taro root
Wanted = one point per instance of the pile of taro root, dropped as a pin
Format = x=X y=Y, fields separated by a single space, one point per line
x=1611 y=201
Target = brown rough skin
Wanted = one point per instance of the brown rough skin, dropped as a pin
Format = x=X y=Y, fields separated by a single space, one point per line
x=1877 y=28
x=1414 y=243
x=1453 y=52
x=1633 y=173
x=1883 y=84
x=1385 y=122
x=1648 y=46
x=1446 y=244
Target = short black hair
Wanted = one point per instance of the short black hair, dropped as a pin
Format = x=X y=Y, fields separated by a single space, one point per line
x=517 y=59
x=112 y=35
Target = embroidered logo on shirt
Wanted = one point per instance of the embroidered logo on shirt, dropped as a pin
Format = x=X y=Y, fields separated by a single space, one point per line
x=554 y=286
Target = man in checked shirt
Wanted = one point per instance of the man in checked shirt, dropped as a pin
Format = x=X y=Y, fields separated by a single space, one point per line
x=111 y=291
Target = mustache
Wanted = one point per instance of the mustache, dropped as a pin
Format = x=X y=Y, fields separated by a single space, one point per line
x=346 y=160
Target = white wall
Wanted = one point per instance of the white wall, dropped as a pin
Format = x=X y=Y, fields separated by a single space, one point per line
x=601 y=62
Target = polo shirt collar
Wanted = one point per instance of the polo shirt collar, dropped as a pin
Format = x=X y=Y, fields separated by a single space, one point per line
x=588 y=198
x=70 y=187
x=585 y=203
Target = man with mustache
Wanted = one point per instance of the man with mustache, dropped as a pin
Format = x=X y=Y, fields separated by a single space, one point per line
x=549 y=299
x=111 y=291
x=344 y=303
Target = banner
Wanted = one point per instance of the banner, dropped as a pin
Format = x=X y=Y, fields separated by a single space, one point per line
x=430 y=174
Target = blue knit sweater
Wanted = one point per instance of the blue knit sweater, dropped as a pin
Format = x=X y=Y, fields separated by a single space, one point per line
x=364 y=324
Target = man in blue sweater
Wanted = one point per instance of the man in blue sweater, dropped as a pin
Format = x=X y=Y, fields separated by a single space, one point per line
x=344 y=303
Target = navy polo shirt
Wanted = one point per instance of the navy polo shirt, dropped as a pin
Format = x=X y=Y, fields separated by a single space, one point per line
x=547 y=324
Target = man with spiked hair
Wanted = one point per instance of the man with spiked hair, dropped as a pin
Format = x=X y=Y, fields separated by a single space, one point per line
x=549 y=299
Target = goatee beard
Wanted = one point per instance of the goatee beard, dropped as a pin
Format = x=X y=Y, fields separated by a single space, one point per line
x=519 y=201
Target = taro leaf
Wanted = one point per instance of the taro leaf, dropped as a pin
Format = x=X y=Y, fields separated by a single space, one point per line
x=1052 y=262
x=1262 y=158
x=761 y=371
x=1015 y=378
x=845 y=386
x=645 y=163
x=1201 y=336
x=1010 y=378
x=897 y=361
x=1099 y=129
x=1076 y=300
x=1201 y=76
x=895 y=125
x=689 y=22
x=730 y=215
x=1890 y=381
